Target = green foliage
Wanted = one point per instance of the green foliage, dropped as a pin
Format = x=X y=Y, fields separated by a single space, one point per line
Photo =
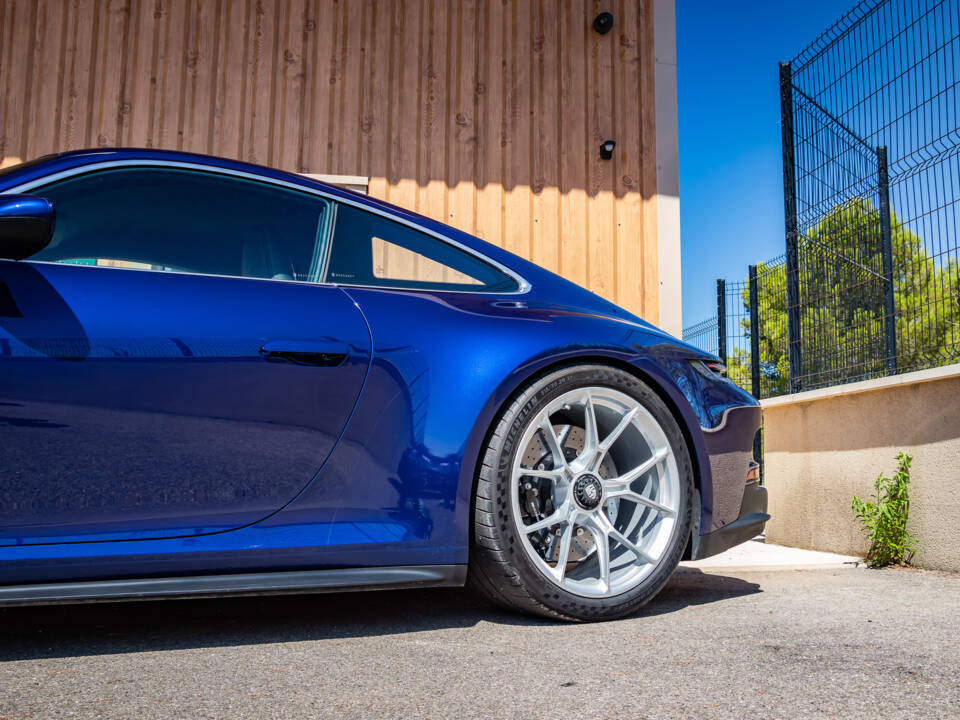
x=841 y=300
x=885 y=520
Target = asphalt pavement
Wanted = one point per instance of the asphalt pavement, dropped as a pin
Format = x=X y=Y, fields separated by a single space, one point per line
x=829 y=641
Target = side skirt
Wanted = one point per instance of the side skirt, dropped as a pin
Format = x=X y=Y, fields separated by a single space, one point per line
x=268 y=583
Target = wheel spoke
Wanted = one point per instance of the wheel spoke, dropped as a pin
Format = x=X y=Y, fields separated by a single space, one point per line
x=608 y=528
x=603 y=555
x=642 y=469
x=563 y=552
x=644 y=500
x=635 y=497
x=620 y=487
x=625 y=421
x=591 y=438
x=547 y=474
x=553 y=443
x=554 y=518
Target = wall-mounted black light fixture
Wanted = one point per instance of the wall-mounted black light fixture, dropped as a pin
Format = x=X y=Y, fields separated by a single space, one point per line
x=603 y=23
x=606 y=150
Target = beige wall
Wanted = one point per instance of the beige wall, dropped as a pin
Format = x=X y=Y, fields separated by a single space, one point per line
x=823 y=447
x=485 y=114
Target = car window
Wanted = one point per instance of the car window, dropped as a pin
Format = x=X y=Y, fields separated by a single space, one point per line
x=178 y=220
x=369 y=249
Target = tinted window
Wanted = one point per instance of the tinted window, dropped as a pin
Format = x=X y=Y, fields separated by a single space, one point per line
x=187 y=221
x=370 y=250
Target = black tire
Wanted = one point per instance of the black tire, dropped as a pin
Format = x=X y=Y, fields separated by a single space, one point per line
x=499 y=567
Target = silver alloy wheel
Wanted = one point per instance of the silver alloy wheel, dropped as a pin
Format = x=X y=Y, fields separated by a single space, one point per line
x=618 y=488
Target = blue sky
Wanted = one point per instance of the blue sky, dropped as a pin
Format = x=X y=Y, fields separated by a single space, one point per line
x=731 y=191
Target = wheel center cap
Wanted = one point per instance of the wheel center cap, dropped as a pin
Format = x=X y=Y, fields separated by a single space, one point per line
x=588 y=492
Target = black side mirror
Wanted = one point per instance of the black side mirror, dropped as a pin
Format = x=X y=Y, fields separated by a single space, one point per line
x=26 y=225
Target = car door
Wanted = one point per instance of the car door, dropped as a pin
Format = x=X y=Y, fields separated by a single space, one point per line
x=170 y=365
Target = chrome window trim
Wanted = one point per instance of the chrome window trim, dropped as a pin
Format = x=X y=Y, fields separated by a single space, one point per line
x=522 y=285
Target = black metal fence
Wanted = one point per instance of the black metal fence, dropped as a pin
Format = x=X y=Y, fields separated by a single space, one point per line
x=703 y=334
x=870 y=280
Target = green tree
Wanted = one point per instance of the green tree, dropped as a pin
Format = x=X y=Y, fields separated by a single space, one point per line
x=841 y=305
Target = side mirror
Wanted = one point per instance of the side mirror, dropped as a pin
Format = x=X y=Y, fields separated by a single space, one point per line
x=26 y=225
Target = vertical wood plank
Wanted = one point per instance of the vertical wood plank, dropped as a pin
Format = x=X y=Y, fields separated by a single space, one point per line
x=112 y=38
x=74 y=57
x=547 y=119
x=139 y=78
x=432 y=95
x=600 y=209
x=225 y=98
x=518 y=150
x=433 y=139
x=62 y=62
x=405 y=104
x=349 y=103
x=629 y=203
x=376 y=100
x=44 y=109
x=650 y=307
x=157 y=69
x=17 y=91
x=206 y=52
x=289 y=116
x=31 y=72
x=462 y=123
x=573 y=165
x=6 y=49
x=321 y=80
x=126 y=79
x=171 y=107
x=262 y=82
x=489 y=173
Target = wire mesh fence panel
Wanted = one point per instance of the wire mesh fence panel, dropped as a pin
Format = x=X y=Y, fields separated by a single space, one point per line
x=703 y=335
x=770 y=375
x=872 y=170
x=774 y=370
x=737 y=333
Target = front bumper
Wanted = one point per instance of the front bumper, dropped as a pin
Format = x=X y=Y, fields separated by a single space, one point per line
x=750 y=523
x=738 y=501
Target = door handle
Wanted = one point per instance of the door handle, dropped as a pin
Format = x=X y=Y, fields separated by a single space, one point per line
x=325 y=353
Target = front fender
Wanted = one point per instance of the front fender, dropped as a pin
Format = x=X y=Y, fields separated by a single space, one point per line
x=398 y=487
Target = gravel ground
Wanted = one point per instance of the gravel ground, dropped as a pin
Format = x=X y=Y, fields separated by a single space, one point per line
x=826 y=643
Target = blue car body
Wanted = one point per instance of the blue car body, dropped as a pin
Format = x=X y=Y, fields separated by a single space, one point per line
x=146 y=433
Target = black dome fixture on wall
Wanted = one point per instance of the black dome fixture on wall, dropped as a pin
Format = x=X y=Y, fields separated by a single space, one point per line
x=603 y=23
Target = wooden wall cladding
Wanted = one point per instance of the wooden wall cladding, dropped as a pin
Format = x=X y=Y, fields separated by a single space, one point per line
x=486 y=114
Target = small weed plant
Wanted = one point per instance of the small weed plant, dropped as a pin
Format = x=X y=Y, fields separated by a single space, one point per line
x=885 y=520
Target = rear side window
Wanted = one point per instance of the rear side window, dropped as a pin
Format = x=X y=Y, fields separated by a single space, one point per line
x=178 y=220
x=371 y=250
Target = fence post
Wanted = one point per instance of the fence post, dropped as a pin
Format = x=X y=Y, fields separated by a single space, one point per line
x=790 y=227
x=722 y=320
x=754 y=334
x=886 y=252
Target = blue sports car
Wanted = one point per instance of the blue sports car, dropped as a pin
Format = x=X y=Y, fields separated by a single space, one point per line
x=221 y=378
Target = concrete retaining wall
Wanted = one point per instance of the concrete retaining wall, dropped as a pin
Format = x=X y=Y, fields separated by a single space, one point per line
x=824 y=446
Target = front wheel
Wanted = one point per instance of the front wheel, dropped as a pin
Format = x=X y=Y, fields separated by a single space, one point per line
x=582 y=507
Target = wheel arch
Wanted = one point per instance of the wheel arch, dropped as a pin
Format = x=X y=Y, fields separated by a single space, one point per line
x=519 y=380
